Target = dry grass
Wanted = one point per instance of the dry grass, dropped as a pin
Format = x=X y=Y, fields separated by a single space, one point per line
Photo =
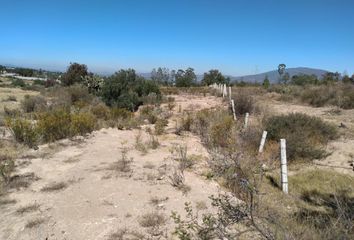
x=17 y=93
x=6 y=201
x=28 y=208
x=152 y=220
x=34 y=223
x=51 y=187
x=125 y=233
x=155 y=201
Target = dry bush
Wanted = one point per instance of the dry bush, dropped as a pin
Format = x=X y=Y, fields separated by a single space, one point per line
x=124 y=233
x=82 y=123
x=33 y=103
x=55 y=186
x=124 y=162
x=55 y=124
x=60 y=123
x=11 y=112
x=244 y=103
x=34 y=223
x=160 y=125
x=24 y=131
x=7 y=165
x=139 y=144
x=148 y=112
x=152 y=220
x=304 y=134
x=11 y=98
x=28 y=208
x=101 y=111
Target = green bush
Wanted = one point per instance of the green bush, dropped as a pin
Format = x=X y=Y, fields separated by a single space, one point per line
x=33 y=103
x=24 y=131
x=55 y=124
x=304 y=134
x=18 y=82
x=125 y=89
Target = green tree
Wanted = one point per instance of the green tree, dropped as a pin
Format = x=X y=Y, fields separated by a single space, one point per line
x=74 y=74
x=266 y=82
x=125 y=88
x=161 y=75
x=281 y=71
x=330 y=77
x=304 y=79
x=214 y=76
x=185 y=78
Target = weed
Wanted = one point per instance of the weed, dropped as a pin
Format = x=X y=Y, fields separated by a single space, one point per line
x=33 y=103
x=152 y=220
x=54 y=187
x=34 y=223
x=24 y=131
x=28 y=208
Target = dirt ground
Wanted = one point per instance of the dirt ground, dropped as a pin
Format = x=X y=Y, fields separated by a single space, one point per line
x=93 y=199
x=77 y=193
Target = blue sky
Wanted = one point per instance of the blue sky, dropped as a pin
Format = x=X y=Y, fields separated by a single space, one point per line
x=237 y=37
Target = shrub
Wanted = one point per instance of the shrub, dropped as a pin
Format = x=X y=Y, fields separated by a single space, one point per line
x=24 y=131
x=120 y=113
x=55 y=124
x=11 y=112
x=221 y=131
x=18 y=82
x=160 y=125
x=304 y=134
x=244 y=103
x=79 y=93
x=7 y=165
x=319 y=96
x=101 y=111
x=125 y=89
x=82 y=123
x=33 y=103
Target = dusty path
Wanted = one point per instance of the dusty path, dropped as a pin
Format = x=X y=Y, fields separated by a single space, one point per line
x=93 y=199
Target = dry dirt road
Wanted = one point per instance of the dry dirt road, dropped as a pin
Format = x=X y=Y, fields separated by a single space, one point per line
x=85 y=196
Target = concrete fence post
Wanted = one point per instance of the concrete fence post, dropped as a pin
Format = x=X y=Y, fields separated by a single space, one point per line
x=283 y=166
x=261 y=146
x=230 y=93
x=246 y=120
x=233 y=109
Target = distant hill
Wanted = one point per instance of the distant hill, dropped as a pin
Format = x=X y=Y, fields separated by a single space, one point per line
x=273 y=76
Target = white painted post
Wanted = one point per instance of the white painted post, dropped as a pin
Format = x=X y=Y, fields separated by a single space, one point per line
x=246 y=120
x=223 y=90
x=261 y=146
x=230 y=93
x=284 y=170
x=233 y=109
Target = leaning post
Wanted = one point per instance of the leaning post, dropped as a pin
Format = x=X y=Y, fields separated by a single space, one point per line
x=233 y=109
x=261 y=146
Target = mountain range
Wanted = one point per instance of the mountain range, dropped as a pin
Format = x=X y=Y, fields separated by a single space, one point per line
x=273 y=76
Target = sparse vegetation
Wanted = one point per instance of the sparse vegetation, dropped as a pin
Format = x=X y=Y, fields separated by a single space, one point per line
x=304 y=134
x=55 y=186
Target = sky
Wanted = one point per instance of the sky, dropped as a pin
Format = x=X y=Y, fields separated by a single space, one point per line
x=238 y=37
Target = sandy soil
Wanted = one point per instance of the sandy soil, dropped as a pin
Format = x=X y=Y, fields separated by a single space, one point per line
x=96 y=199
